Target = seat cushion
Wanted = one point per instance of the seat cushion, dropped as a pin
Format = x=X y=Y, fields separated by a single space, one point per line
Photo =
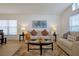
x=68 y=44
x=45 y=37
x=34 y=37
x=60 y=40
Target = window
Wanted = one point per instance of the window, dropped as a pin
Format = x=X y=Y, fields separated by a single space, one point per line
x=74 y=23
x=4 y=26
x=12 y=27
x=9 y=27
x=75 y=6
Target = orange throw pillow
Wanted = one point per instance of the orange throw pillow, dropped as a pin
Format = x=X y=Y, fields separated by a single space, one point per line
x=27 y=36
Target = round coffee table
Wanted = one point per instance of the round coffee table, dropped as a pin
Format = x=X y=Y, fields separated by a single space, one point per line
x=40 y=44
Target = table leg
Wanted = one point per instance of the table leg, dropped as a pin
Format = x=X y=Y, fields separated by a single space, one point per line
x=23 y=37
x=52 y=46
x=5 y=40
x=28 y=46
x=40 y=49
x=55 y=38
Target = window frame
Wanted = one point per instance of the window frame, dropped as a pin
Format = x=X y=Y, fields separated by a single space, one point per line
x=73 y=26
x=8 y=27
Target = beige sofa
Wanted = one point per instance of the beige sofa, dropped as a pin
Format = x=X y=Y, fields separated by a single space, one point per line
x=40 y=35
x=70 y=47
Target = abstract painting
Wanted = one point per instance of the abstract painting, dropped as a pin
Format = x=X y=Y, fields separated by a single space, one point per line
x=39 y=24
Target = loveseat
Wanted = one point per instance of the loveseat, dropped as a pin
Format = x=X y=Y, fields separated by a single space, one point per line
x=70 y=45
x=40 y=33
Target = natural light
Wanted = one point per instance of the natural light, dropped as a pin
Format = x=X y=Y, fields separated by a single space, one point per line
x=75 y=6
x=74 y=23
x=9 y=27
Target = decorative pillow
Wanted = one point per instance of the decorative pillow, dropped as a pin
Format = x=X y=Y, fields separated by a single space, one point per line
x=38 y=32
x=71 y=38
x=77 y=38
x=44 y=32
x=27 y=36
x=33 y=33
x=65 y=35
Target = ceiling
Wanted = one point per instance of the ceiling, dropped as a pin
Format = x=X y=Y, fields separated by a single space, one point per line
x=33 y=8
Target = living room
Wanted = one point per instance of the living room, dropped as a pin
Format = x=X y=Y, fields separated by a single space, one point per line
x=26 y=16
x=18 y=18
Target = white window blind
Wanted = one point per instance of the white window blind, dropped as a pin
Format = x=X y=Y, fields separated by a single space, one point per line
x=9 y=27
x=74 y=23
x=12 y=27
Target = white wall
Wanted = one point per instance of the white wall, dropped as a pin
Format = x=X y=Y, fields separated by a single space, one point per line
x=64 y=18
x=27 y=19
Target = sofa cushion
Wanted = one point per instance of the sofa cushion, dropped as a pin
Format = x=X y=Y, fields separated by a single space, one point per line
x=71 y=38
x=38 y=33
x=45 y=37
x=77 y=38
x=44 y=32
x=65 y=35
x=33 y=33
x=75 y=34
x=68 y=44
x=60 y=40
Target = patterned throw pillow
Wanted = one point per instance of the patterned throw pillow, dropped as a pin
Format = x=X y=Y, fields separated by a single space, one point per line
x=44 y=32
x=33 y=33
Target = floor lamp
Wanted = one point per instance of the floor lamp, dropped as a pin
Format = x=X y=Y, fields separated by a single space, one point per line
x=54 y=32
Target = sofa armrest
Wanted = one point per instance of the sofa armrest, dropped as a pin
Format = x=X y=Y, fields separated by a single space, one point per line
x=75 y=48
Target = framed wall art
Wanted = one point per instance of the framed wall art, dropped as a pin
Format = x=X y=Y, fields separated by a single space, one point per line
x=39 y=24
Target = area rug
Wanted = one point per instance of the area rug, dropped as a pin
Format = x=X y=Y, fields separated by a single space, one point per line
x=55 y=52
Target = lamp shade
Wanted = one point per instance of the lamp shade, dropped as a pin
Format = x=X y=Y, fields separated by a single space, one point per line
x=23 y=28
x=54 y=28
